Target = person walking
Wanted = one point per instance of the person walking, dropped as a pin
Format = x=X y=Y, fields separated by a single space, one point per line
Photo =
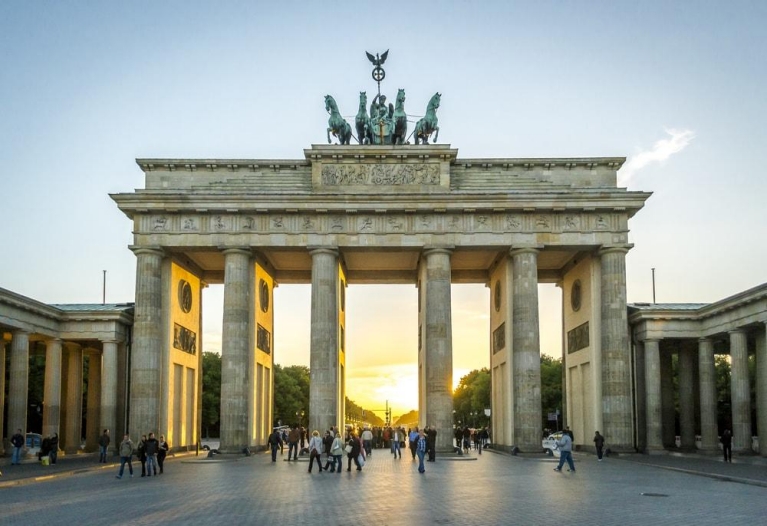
x=275 y=441
x=367 y=440
x=104 y=441
x=141 y=454
x=315 y=450
x=431 y=442
x=293 y=438
x=396 y=442
x=356 y=445
x=17 y=441
x=151 y=447
x=327 y=445
x=162 y=451
x=726 y=441
x=126 y=452
x=412 y=439
x=54 y=452
x=420 y=449
x=566 y=449
x=599 y=443
x=337 y=451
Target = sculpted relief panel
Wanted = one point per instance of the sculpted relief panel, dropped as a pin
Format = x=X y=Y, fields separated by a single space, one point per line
x=380 y=174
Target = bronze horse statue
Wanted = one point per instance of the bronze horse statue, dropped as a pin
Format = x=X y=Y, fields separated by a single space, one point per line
x=362 y=121
x=428 y=124
x=399 y=134
x=337 y=125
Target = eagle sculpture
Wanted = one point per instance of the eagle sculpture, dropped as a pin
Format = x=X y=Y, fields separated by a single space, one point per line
x=377 y=60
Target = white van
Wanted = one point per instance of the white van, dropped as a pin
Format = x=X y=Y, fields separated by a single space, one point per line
x=550 y=444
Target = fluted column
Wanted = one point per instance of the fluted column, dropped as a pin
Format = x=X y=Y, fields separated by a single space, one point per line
x=108 y=413
x=147 y=343
x=323 y=359
x=2 y=395
x=616 y=355
x=668 y=410
x=18 y=383
x=52 y=388
x=761 y=388
x=74 y=413
x=653 y=396
x=686 y=399
x=235 y=338
x=740 y=392
x=93 y=407
x=438 y=346
x=707 y=372
x=526 y=349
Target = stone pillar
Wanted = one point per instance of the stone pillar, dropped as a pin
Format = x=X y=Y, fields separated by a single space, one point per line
x=147 y=343
x=323 y=359
x=438 y=347
x=616 y=354
x=740 y=392
x=18 y=383
x=707 y=371
x=235 y=347
x=653 y=396
x=2 y=395
x=108 y=413
x=686 y=399
x=668 y=411
x=74 y=413
x=52 y=388
x=526 y=351
x=761 y=388
x=640 y=396
x=93 y=409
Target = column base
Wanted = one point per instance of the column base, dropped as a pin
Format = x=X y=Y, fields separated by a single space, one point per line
x=656 y=451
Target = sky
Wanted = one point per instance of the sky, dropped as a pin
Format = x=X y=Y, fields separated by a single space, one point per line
x=676 y=87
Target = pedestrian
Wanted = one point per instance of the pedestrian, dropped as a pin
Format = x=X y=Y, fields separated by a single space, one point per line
x=141 y=454
x=413 y=440
x=17 y=441
x=45 y=449
x=104 y=441
x=327 y=445
x=151 y=447
x=356 y=447
x=54 y=452
x=599 y=443
x=126 y=452
x=337 y=451
x=293 y=437
x=726 y=441
x=566 y=449
x=315 y=450
x=396 y=442
x=162 y=451
x=275 y=441
x=431 y=442
x=367 y=440
x=420 y=449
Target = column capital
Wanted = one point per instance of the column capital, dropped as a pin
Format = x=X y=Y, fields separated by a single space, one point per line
x=447 y=249
x=650 y=340
x=704 y=339
x=148 y=250
x=246 y=251
x=612 y=249
x=111 y=340
x=333 y=251
x=739 y=330
x=532 y=249
x=19 y=332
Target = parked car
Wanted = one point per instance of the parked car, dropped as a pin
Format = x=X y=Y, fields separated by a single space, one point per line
x=550 y=444
x=33 y=444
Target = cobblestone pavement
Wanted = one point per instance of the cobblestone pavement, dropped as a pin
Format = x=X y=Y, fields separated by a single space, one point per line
x=495 y=489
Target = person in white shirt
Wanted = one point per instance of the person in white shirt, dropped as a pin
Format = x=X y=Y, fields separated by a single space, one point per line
x=315 y=450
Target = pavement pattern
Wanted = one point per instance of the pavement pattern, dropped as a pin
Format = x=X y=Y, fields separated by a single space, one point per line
x=492 y=489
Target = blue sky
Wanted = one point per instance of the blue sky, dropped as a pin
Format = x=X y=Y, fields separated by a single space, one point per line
x=677 y=87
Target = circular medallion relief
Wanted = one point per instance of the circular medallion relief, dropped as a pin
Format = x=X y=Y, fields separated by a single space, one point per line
x=497 y=296
x=263 y=295
x=575 y=296
x=185 y=295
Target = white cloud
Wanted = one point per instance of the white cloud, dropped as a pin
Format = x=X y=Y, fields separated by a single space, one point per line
x=661 y=150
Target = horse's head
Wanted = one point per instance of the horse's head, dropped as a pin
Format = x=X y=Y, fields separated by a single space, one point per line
x=400 y=97
x=434 y=101
x=363 y=97
x=328 y=99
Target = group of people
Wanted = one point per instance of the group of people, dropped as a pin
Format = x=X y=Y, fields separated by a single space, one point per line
x=466 y=437
x=150 y=451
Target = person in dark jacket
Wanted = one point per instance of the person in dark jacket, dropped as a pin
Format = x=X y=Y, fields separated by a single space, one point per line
x=431 y=442
x=327 y=442
x=104 y=441
x=141 y=454
x=275 y=441
x=151 y=447
x=355 y=452
x=17 y=441
x=726 y=441
x=162 y=451
x=599 y=443
x=54 y=451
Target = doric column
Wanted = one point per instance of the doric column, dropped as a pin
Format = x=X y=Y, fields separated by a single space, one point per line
x=438 y=346
x=235 y=346
x=93 y=407
x=707 y=372
x=74 y=413
x=147 y=343
x=740 y=392
x=686 y=399
x=2 y=395
x=18 y=383
x=653 y=395
x=761 y=388
x=323 y=358
x=526 y=351
x=109 y=391
x=616 y=355
x=668 y=410
x=52 y=388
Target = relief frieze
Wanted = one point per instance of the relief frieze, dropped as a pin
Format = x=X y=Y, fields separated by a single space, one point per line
x=380 y=174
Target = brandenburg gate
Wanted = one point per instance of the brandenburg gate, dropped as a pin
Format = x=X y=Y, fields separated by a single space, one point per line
x=380 y=213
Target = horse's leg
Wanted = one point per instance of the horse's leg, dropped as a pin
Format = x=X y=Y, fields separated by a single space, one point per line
x=436 y=134
x=329 y=130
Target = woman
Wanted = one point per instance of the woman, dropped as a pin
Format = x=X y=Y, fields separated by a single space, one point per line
x=141 y=454
x=162 y=452
x=337 y=451
x=54 y=451
x=356 y=445
x=315 y=450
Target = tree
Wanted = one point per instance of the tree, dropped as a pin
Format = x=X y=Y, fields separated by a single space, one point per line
x=211 y=393
x=291 y=394
x=471 y=398
x=551 y=387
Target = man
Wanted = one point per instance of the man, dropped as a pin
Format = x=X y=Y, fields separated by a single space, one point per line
x=396 y=440
x=413 y=439
x=421 y=450
x=126 y=452
x=599 y=443
x=293 y=437
x=17 y=441
x=327 y=444
x=103 y=445
x=275 y=441
x=431 y=442
x=566 y=449
x=152 y=445
x=367 y=440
